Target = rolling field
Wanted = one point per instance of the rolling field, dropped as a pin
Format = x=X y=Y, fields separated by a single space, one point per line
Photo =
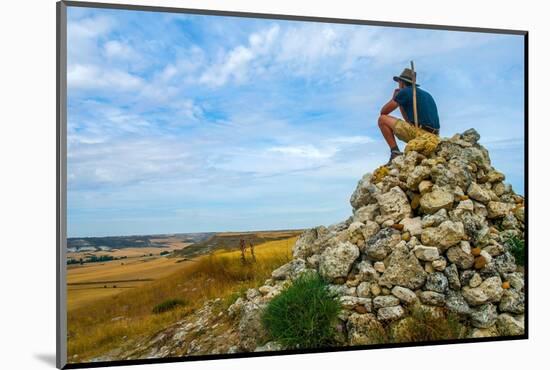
x=89 y=282
x=100 y=319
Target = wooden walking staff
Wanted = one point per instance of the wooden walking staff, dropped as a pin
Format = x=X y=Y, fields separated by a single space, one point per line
x=415 y=112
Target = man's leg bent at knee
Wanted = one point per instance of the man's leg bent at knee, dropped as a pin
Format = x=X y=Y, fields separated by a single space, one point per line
x=386 y=123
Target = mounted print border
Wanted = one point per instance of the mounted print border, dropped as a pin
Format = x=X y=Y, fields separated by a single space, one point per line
x=436 y=227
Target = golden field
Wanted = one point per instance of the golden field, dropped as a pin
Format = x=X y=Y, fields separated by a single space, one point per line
x=100 y=321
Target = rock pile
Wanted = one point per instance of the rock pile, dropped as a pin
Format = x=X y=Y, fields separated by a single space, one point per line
x=428 y=230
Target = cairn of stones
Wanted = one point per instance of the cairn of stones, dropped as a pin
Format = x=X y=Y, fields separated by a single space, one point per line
x=428 y=230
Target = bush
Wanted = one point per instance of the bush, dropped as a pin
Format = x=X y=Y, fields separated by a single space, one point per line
x=426 y=325
x=516 y=246
x=303 y=315
x=168 y=305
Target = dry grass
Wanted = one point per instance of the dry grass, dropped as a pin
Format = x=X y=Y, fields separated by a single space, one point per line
x=108 y=323
x=90 y=282
x=425 y=325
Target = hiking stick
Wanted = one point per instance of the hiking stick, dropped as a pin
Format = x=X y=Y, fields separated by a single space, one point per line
x=415 y=112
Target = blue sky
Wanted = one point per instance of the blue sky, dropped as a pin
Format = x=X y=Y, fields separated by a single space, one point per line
x=187 y=123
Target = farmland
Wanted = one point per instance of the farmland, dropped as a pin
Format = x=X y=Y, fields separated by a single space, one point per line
x=112 y=300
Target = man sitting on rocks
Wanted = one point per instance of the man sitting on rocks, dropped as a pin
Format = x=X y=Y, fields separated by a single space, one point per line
x=428 y=118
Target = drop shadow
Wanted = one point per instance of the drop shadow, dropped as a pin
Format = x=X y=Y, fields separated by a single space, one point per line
x=47 y=358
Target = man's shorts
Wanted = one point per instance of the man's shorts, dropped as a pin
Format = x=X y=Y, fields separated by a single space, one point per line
x=405 y=131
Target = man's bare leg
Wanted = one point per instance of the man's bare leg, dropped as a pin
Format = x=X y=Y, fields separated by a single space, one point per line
x=387 y=125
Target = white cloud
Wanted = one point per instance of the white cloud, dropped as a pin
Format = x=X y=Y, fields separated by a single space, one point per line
x=119 y=50
x=304 y=151
x=235 y=64
x=82 y=76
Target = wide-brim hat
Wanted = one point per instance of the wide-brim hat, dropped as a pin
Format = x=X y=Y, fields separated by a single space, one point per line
x=406 y=75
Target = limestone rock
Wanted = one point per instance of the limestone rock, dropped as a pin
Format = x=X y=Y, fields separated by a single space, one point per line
x=499 y=209
x=424 y=253
x=336 y=261
x=390 y=313
x=512 y=301
x=484 y=316
x=403 y=269
x=432 y=298
x=451 y=272
x=250 y=328
x=394 y=205
x=291 y=270
x=381 y=244
x=476 y=192
x=385 y=301
x=488 y=291
x=412 y=225
x=405 y=295
x=437 y=282
x=461 y=255
x=510 y=325
x=435 y=200
x=443 y=236
x=455 y=302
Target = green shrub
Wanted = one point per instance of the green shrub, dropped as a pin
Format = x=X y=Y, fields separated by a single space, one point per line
x=168 y=305
x=303 y=315
x=516 y=246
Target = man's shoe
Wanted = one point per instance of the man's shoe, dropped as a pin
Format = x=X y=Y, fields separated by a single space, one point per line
x=394 y=154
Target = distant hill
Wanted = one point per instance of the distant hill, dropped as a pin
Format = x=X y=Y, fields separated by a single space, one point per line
x=133 y=241
x=231 y=241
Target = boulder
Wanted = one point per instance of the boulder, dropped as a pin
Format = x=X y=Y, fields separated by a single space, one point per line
x=381 y=244
x=479 y=193
x=403 y=269
x=290 y=270
x=447 y=234
x=455 y=302
x=425 y=253
x=394 y=205
x=390 y=313
x=435 y=200
x=385 y=301
x=250 y=328
x=404 y=295
x=510 y=325
x=461 y=255
x=336 y=261
x=512 y=301
x=483 y=316
x=437 y=282
x=412 y=225
x=499 y=209
x=489 y=290
x=432 y=298
x=451 y=272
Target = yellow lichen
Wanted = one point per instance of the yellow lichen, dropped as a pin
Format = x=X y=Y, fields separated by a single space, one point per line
x=380 y=173
x=425 y=143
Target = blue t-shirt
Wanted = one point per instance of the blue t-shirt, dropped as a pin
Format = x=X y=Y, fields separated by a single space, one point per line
x=425 y=105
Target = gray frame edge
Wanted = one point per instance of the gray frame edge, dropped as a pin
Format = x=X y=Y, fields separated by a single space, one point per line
x=288 y=17
x=61 y=186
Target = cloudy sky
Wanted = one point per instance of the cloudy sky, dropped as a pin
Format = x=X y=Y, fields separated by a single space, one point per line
x=187 y=123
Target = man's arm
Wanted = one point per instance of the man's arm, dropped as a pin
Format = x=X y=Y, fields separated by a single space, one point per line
x=391 y=105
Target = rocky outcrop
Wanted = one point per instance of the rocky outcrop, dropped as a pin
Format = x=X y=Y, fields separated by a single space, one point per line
x=428 y=229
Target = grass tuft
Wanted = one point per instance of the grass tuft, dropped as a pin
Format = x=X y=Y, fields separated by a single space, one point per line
x=427 y=325
x=303 y=315
x=517 y=248
x=168 y=305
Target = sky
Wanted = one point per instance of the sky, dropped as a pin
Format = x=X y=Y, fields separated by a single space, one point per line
x=194 y=123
